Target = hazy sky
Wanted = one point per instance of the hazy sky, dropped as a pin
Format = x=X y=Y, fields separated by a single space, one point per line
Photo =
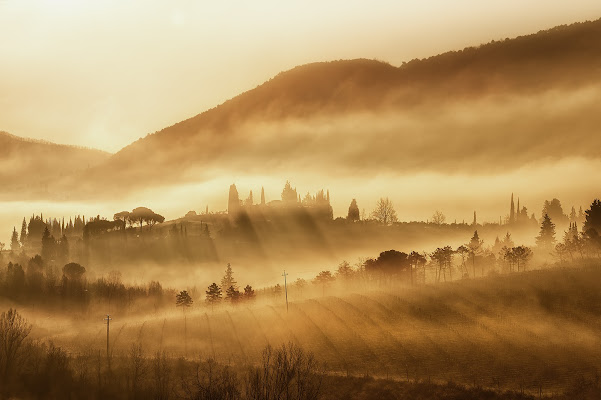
x=104 y=73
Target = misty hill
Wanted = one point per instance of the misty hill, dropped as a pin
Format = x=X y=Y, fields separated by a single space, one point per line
x=501 y=105
x=28 y=165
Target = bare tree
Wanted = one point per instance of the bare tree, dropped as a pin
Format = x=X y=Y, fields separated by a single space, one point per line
x=211 y=381
x=384 y=211
x=13 y=331
x=137 y=368
x=161 y=372
x=284 y=373
x=438 y=218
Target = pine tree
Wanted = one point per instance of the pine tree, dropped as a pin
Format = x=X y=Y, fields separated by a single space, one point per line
x=48 y=244
x=353 y=211
x=233 y=204
x=507 y=241
x=183 y=300
x=546 y=237
x=23 y=232
x=14 y=240
x=64 y=249
x=232 y=295
x=593 y=217
x=475 y=248
x=289 y=195
x=249 y=293
x=228 y=278
x=249 y=200
x=512 y=211
x=213 y=294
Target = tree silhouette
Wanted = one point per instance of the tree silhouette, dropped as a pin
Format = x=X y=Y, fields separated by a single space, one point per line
x=554 y=210
x=23 y=237
x=249 y=201
x=289 y=195
x=512 y=211
x=183 y=300
x=232 y=295
x=345 y=271
x=14 y=241
x=475 y=248
x=324 y=278
x=415 y=261
x=122 y=216
x=73 y=271
x=48 y=245
x=546 y=237
x=444 y=258
x=438 y=218
x=521 y=256
x=277 y=291
x=228 y=279
x=384 y=211
x=593 y=217
x=353 y=211
x=233 y=202
x=13 y=331
x=389 y=264
x=464 y=252
x=249 y=293
x=143 y=214
x=213 y=295
x=300 y=284
x=63 y=249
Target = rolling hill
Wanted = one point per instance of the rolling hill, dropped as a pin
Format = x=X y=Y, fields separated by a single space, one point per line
x=500 y=106
x=30 y=167
x=366 y=116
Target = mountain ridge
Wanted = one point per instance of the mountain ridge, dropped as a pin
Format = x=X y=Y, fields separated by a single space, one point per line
x=564 y=32
x=9 y=136
x=331 y=116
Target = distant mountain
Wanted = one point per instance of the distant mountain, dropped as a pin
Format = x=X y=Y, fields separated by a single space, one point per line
x=31 y=167
x=499 y=105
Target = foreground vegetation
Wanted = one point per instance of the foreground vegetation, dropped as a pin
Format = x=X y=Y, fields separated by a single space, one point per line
x=30 y=369
x=533 y=333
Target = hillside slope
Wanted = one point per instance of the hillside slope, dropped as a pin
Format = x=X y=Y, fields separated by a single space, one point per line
x=31 y=167
x=480 y=102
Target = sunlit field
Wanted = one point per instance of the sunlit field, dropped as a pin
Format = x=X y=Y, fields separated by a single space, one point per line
x=532 y=331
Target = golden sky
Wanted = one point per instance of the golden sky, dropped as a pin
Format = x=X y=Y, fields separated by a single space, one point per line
x=104 y=73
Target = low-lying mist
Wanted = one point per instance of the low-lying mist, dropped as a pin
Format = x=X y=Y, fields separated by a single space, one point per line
x=520 y=331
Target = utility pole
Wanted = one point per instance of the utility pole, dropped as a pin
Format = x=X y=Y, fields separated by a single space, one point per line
x=108 y=356
x=285 y=290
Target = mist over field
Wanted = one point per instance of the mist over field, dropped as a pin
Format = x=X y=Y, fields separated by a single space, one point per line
x=353 y=228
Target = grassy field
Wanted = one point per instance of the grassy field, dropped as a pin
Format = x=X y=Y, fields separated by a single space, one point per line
x=531 y=332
